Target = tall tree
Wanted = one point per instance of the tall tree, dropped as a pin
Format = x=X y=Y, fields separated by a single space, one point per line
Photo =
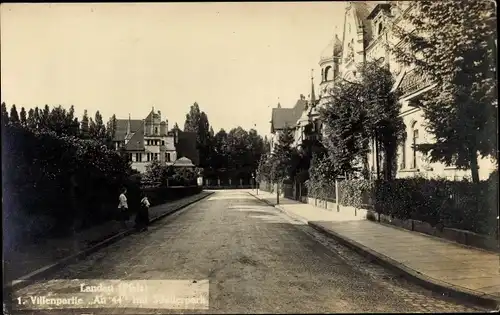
x=36 y=118
x=454 y=45
x=385 y=124
x=284 y=159
x=84 y=129
x=14 y=116
x=239 y=151
x=283 y=156
x=192 y=118
x=44 y=117
x=266 y=145
x=31 y=119
x=97 y=130
x=256 y=148
x=221 y=152
x=111 y=130
x=22 y=117
x=58 y=121
x=5 y=114
x=197 y=121
x=345 y=126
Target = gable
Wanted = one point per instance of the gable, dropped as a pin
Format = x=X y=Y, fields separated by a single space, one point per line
x=410 y=82
x=282 y=117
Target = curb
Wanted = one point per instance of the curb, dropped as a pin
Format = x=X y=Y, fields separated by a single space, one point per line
x=422 y=280
x=23 y=281
x=412 y=275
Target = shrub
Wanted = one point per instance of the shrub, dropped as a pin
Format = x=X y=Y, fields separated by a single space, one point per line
x=356 y=193
x=462 y=205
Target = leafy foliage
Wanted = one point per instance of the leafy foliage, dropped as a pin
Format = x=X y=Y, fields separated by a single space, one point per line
x=197 y=121
x=285 y=158
x=356 y=193
x=264 y=168
x=453 y=44
x=155 y=173
x=346 y=134
x=322 y=174
x=383 y=108
x=462 y=205
x=361 y=111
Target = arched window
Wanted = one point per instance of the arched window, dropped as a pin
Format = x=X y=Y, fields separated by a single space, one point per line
x=328 y=74
x=414 y=145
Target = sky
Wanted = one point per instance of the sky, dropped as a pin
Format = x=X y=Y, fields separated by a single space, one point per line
x=236 y=60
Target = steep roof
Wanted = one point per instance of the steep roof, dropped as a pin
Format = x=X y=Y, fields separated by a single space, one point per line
x=186 y=146
x=282 y=117
x=121 y=128
x=137 y=141
x=362 y=11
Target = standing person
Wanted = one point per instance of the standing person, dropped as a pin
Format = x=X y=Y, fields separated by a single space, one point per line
x=123 y=207
x=143 y=214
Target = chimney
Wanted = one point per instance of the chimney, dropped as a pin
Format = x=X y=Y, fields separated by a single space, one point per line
x=128 y=125
x=302 y=97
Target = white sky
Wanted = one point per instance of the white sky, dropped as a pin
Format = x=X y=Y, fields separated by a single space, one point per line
x=237 y=60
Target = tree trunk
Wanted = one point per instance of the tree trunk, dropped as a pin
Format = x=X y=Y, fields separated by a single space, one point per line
x=474 y=166
x=277 y=193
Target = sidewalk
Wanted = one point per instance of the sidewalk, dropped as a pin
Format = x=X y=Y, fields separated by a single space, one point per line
x=21 y=262
x=437 y=264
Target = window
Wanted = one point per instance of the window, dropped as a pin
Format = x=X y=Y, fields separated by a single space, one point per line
x=156 y=156
x=156 y=130
x=167 y=157
x=380 y=28
x=162 y=142
x=157 y=142
x=415 y=138
x=130 y=156
x=403 y=155
x=148 y=157
x=138 y=157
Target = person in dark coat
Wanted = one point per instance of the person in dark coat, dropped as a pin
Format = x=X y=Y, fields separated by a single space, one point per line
x=142 y=218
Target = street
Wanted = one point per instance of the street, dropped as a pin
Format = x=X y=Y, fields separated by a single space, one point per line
x=256 y=260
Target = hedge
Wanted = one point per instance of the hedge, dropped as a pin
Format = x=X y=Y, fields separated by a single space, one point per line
x=356 y=193
x=439 y=202
x=325 y=191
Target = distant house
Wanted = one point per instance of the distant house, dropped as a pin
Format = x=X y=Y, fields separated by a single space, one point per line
x=146 y=140
x=285 y=117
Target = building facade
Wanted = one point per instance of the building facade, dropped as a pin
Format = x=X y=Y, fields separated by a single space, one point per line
x=147 y=140
x=367 y=31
